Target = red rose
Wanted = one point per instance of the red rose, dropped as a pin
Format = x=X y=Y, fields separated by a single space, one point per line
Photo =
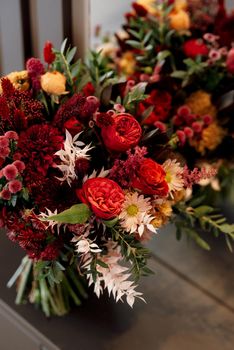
x=49 y=55
x=161 y=101
x=73 y=126
x=123 y=134
x=104 y=196
x=194 y=47
x=230 y=61
x=150 y=179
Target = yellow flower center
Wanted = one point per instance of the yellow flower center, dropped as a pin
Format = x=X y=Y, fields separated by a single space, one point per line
x=132 y=210
x=168 y=177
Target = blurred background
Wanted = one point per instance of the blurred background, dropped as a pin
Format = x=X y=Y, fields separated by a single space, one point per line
x=26 y=24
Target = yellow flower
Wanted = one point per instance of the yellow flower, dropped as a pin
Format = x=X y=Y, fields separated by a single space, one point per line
x=200 y=103
x=20 y=80
x=127 y=63
x=165 y=209
x=157 y=221
x=211 y=137
x=180 y=5
x=150 y=6
x=54 y=83
x=179 y=20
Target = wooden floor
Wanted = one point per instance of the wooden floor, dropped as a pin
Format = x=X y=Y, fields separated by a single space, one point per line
x=190 y=304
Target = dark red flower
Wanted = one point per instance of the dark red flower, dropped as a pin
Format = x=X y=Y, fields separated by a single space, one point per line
x=38 y=145
x=195 y=47
x=73 y=126
x=35 y=69
x=88 y=89
x=123 y=134
x=141 y=11
x=49 y=55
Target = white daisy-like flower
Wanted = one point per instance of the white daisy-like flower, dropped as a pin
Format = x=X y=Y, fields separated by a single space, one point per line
x=70 y=154
x=135 y=215
x=174 y=176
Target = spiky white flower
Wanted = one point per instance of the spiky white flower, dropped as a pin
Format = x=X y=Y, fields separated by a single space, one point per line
x=102 y=173
x=135 y=215
x=85 y=245
x=70 y=154
x=50 y=222
x=174 y=176
x=113 y=277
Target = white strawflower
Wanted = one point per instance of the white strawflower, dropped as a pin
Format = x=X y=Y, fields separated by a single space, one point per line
x=135 y=215
x=174 y=176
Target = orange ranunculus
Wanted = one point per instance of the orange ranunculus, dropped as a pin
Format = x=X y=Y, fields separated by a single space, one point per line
x=53 y=83
x=150 y=179
x=104 y=196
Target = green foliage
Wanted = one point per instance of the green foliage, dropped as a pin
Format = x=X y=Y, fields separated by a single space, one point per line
x=133 y=251
x=77 y=214
x=192 y=219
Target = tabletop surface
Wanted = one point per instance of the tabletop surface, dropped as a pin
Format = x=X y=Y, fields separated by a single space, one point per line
x=190 y=304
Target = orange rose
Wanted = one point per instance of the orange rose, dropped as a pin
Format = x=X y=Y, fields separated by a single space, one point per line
x=53 y=83
x=104 y=196
x=150 y=179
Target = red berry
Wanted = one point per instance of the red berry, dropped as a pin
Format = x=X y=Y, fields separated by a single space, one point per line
x=188 y=132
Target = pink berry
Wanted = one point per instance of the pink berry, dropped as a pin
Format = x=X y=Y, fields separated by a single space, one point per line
x=10 y=172
x=161 y=126
x=188 y=132
x=197 y=127
x=4 y=142
x=184 y=111
x=181 y=136
x=15 y=186
x=207 y=119
x=12 y=135
x=176 y=120
x=19 y=165
x=190 y=119
x=5 y=151
x=5 y=194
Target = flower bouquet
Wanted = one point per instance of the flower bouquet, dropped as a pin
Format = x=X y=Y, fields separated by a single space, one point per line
x=84 y=181
x=183 y=51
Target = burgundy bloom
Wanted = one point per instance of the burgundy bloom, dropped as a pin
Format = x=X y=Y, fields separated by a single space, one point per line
x=35 y=69
x=195 y=47
x=49 y=55
x=12 y=135
x=140 y=10
x=5 y=194
x=38 y=145
x=19 y=165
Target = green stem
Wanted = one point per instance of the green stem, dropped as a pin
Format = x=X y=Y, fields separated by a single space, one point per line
x=44 y=297
x=23 y=281
x=17 y=273
x=71 y=291
x=78 y=284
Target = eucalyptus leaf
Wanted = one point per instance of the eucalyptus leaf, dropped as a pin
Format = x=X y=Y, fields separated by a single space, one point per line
x=77 y=214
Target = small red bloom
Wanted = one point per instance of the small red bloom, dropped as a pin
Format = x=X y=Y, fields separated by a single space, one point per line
x=123 y=134
x=10 y=171
x=88 y=89
x=73 y=126
x=195 y=47
x=5 y=194
x=104 y=196
x=19 y=165
x=140 y=10
x=12 y=135
x=49 y=55
x=150 y=179
x=181 y=136
x=15 y=186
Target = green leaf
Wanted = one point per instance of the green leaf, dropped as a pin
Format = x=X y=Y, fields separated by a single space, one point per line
x=71 y=55
x=193 y=234
x=102 y=264
x=77 y=214
x=203 y=210
x=180 y=74
x=162 y=55
x=110 y=223
x=226 y=228
x=64 y=43
x=134 y=44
